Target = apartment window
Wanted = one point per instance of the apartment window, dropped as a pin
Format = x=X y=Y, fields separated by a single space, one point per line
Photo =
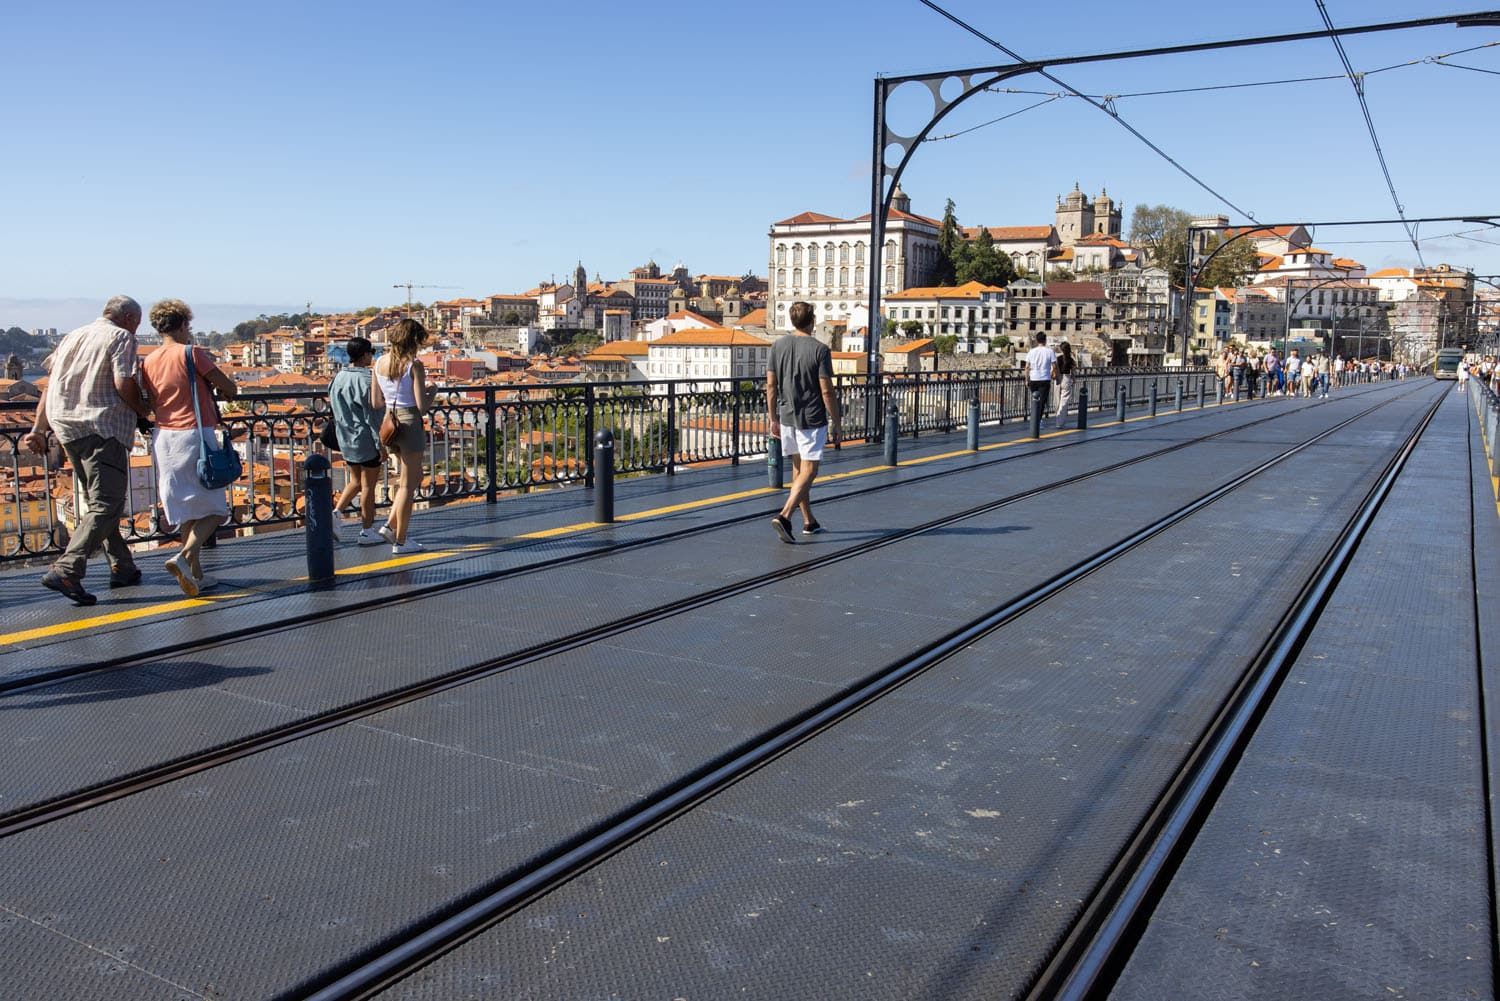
x=796 y=277
x=828 y=272
x=797 y=254
x=781 y=254
x=859 y=253
x=843 y=277
x=859 y=277
x=843 y=253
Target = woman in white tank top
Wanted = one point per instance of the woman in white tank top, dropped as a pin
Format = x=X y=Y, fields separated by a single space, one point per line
x=401 y=383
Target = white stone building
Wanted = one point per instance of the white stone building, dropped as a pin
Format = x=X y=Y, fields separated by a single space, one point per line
x=707 y=354
x=823 y=260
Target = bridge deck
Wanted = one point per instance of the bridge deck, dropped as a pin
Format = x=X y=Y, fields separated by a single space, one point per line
x=932 y=844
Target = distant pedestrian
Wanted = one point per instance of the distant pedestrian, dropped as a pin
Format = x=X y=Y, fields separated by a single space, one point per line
x=803 y=412
x=182 y=429
x=1293 y=372
x=1237 y=373
x=400 y=382
x=1463 y=376
x=92 y=405
x=1064 y=373
x=1040 y=361
x=357 y=425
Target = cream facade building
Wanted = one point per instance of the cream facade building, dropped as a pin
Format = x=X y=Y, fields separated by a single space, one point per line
x=824 y=260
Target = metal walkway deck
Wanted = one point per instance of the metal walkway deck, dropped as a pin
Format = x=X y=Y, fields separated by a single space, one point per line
x=897 y=761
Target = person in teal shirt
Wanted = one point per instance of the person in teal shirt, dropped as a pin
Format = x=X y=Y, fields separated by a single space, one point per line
x=355 y=422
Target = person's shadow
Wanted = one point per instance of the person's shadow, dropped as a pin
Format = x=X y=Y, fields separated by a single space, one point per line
x=137 y=682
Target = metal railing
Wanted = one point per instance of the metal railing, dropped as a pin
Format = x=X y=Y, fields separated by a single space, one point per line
x=484 y=440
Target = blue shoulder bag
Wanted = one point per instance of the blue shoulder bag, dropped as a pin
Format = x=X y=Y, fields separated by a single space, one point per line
x=217 y=467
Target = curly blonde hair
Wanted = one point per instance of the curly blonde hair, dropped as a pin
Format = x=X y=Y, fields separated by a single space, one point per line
x=170 y=315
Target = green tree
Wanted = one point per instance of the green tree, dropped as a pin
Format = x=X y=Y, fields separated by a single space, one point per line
x=982 y=263
x=950 y=247
x=1233 y=266
x=1163 y=231
x=511 y=318
x=1061 y=275
x=944 y=344
x=911 y=328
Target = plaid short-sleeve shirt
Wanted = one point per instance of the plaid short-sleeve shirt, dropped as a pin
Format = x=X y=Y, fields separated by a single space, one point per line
x=81 y=395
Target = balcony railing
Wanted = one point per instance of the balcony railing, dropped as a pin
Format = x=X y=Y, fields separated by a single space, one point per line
x=485 y=440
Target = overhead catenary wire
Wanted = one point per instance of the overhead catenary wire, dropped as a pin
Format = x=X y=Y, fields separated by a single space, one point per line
x=1433 y=60
x=1103 y=106
x=1357 y=82
x=995 y=121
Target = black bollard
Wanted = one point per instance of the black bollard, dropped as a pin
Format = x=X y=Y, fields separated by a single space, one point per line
x=775 y=473
x=1036 y=415
x=1200 y=393
x=1218 y=392
x=1119 y=404
x=1152 y=396
x=1083 y=407
x=1178 y=394
x=892 y=432
x=318 y=518
x=604 y=476
x=973 y=425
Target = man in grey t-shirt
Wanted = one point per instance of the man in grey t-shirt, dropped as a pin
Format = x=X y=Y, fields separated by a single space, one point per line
x=800 y=402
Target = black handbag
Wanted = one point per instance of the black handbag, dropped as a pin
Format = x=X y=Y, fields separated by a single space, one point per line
x=329 y=436
x=217 y=467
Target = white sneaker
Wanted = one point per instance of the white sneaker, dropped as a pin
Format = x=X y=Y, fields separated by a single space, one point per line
x=368 y=537
x=386 y=533
x=409 y=546
x=206 y=582
x=185 y=579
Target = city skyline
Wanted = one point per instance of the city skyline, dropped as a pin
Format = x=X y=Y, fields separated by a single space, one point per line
x=293 y=156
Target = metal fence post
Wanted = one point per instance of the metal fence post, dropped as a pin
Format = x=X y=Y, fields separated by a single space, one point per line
x=1178 y=393
x=318 y=513
x=734 y=422
x=892 y=433
x=491 y=462
x=775 y=473
x=1200 y=392
x=1083 y=408
x=974 y=423
x=1218 y=392
x=1036 y=414
x=588 y=435
x=671 y=427
x=1152 y=397
x=1119 y=403
x=604 y=477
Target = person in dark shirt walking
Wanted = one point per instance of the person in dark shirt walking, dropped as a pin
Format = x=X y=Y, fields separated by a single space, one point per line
x=802 y=408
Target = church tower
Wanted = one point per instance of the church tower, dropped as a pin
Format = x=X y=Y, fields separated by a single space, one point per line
x=1107 y=215
x=899 y=201
x=580 y=281
x=13 y=367
x=1075 y=217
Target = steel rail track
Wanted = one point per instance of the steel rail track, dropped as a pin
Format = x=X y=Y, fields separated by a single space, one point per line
x=125 y=660
x=383 y=966
x=56 y=808
x=1100 y=940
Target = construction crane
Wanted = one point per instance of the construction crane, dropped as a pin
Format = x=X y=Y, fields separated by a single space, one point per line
x=411 y=285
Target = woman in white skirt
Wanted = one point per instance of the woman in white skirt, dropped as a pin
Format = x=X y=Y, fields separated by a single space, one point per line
x=186 y=502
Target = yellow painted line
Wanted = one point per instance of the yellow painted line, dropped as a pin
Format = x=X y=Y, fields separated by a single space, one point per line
x=549 y=533
x=112 y=618
x=691 y=505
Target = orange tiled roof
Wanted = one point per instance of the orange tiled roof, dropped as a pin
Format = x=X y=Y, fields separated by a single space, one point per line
x=921 y=344
x=1011 y=234
x=754 y=318
x=809 y=219
x=968 y=290
x=689 y=315
x=1391 y=273
x=718 y=337
x=618 y=350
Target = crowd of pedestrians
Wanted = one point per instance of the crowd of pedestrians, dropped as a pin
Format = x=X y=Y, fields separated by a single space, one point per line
x=100 y=393
x=1485 y=368
x=1248 y=374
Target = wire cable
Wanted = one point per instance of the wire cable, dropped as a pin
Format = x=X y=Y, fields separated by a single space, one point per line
x=994 y=121
x=1105 y=107
x=1357 y=82
x=1461 y=66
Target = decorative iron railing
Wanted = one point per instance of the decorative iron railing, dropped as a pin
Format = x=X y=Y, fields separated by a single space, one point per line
x=484 y=440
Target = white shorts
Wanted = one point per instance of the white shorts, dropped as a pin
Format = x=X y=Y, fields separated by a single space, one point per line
x=807 y=443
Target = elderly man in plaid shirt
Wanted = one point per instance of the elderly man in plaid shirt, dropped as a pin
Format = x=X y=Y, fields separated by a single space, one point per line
x=92 y=403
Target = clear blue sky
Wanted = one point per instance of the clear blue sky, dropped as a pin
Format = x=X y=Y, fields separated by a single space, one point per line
x=280 y=152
